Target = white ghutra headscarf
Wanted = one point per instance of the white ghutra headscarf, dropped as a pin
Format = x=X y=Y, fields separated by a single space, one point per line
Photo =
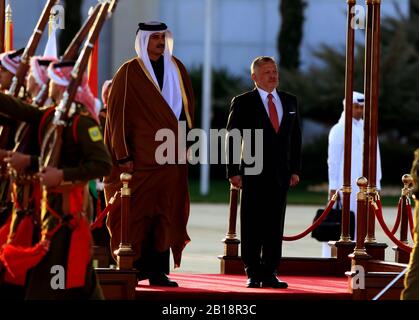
x=171 y=91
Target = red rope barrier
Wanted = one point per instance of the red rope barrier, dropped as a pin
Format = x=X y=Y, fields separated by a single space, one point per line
x=98 y=223
x=314 y=225
x=398 y=218
x=379 y=214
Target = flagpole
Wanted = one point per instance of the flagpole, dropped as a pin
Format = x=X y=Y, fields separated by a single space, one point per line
x=2 y=20
x=206 y=101
x=9 y=29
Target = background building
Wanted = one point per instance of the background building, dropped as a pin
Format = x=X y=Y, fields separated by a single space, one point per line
x=242 y=29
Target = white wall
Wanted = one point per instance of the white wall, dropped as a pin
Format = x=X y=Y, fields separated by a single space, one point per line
x=326 y=23
x=25 y=16
x=243 y=29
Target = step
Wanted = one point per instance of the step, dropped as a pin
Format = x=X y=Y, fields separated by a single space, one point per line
x=117 y=284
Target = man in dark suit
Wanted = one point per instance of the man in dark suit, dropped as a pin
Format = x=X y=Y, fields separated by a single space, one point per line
x=264 y=192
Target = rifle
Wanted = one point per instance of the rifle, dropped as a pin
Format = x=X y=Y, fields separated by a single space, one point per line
x=22 y=70
x=71 y=52
x=3 y=136
x=52 y=142
x=25 y=130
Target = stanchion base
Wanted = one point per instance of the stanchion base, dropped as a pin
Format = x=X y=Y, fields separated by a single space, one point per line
x=376 y=250
x=231 y=247
x=341 y=251
x=125 y=257
x=117 y=284
x=231 y=265
x=359 y=258
x=401 y=256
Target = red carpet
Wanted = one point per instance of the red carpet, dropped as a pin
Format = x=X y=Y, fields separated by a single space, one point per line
x=232 y=287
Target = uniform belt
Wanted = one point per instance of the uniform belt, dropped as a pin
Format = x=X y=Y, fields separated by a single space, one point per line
x=65 y=191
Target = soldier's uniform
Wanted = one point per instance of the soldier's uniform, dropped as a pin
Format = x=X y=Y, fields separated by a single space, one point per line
x=23 y=228
x=9 y=61
x=83 y=157
x=15 y=194
x=411 y=282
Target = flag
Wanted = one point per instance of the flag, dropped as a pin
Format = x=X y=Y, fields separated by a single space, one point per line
x=51 y=46
x=93 y=70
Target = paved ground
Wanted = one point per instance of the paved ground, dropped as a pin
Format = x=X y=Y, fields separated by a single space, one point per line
x=208 y=226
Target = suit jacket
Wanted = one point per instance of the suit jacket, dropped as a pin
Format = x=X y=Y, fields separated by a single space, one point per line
x=281 y=151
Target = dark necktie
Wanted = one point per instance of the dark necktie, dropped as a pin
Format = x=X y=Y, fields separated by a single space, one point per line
x=273 y=115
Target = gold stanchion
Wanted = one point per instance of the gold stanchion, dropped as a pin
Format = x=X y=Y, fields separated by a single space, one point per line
x=125 y=254
x=231 y=262
x=361 y=224
x=344 y=246
x=360 y=257
x=349 y=84
x=400 y=255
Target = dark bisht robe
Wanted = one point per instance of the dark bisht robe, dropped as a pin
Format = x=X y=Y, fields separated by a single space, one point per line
x=159 y=193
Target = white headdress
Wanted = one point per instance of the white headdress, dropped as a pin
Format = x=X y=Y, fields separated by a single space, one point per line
x=357 y=97
x=171 y=91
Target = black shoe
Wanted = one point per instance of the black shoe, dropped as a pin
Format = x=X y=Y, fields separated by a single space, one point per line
x=162 y=280
x=253 y=283
x=273 y=282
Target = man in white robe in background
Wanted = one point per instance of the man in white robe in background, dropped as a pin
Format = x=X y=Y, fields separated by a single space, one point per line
x=335 y=158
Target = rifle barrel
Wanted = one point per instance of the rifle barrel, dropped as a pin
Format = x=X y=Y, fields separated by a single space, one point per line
x=22 y=70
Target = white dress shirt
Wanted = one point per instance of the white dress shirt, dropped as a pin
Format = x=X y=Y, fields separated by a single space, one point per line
x=336 y=157
x=277 y=101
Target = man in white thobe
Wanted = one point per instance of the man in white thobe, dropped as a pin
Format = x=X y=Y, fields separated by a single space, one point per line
x=335 y=158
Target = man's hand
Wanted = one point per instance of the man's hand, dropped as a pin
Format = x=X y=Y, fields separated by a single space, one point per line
x=51 y=177
x=295 y=179
x=236 y=181
x=18 y=161
x=127 y=167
